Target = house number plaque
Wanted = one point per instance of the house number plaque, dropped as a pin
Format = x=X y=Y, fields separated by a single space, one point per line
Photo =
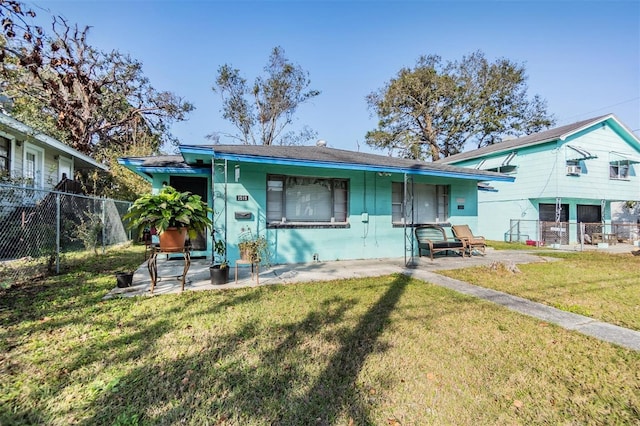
x=242 y=198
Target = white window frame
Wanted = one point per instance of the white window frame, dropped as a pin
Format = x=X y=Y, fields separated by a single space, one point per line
x=64 y=162
x=12 y=152
x=616 y=167
x=441 y=202
x=38 y=180
x=8 y=157
x=277 y=202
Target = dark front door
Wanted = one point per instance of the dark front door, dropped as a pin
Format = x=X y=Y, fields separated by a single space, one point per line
x=198 y=186
x=591 y=216
x=551 y=231
x=547 y=212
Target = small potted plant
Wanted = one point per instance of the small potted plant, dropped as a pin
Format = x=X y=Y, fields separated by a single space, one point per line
x=172 y=214
x=220 y=269
x=124 y=279
x=252 y=247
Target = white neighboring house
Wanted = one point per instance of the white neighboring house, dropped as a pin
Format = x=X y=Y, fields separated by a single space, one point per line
x=37 y=160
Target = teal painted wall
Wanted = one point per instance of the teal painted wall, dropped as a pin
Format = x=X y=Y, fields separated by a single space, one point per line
x=541 y=175
x=368 y=192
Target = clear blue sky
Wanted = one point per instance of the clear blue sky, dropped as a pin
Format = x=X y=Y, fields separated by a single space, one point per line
x=582 y=57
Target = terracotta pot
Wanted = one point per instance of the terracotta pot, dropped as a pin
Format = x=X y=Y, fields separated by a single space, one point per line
x=173 y=239
x=245 y=254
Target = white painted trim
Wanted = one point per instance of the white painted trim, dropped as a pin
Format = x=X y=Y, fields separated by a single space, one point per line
x=12 y=152
x=39 y=154
x=48 y=140
x=69 y=162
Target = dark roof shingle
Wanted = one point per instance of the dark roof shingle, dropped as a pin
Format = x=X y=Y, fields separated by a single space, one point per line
x=533 y=139
x=338 y=156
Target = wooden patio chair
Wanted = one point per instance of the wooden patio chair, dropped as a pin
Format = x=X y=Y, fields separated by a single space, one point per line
x=463 y=232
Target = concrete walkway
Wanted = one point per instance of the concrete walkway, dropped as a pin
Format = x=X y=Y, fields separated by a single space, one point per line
x=423 y=268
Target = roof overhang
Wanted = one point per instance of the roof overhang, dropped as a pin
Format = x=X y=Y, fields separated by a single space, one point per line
x=567 y=135
x=190 y=151
x=137 y=165
x=81 y=161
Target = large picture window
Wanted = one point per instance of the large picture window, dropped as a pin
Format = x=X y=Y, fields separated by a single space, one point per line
x=306 y=200
x=425 y=203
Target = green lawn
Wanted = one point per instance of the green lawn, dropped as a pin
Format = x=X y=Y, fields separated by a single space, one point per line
x=599 y=285
x=383 y=351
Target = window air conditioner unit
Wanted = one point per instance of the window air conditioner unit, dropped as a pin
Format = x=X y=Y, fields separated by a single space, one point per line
x=573 y=170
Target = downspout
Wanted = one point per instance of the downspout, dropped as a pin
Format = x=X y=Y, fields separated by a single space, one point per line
x=213 y=214
x=404 y=222
x=225 y=203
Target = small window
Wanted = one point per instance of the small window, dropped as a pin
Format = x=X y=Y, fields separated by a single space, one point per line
x=619 y=169
x=306 y=200
x=425 y=203
x=504 y=169
x=5 y=150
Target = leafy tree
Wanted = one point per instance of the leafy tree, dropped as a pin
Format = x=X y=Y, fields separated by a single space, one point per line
x=97 y=100
x=435 y=109
x=119 y=182
x=262 y=111
x=99 y=103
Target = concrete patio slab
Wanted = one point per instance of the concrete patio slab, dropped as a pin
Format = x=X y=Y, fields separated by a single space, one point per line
x=198 y=278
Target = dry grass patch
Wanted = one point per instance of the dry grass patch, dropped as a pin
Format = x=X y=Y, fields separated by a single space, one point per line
x=388 y=350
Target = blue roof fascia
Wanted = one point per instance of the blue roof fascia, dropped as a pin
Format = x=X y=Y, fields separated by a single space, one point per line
x=132 y=165
x=195 y=149
x=135 y=165
x=190 y=152
x=129 y=162
x=177 y=170
x=361 y=167
x=625 y=133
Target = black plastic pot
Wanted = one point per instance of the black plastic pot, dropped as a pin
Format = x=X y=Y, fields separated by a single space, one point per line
x=124 y=279
x=219 y=275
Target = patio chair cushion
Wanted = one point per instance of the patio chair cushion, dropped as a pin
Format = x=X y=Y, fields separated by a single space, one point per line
x=463 y=232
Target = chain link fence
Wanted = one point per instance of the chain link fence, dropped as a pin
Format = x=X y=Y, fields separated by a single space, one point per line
x=538 y=232
x=38 y=226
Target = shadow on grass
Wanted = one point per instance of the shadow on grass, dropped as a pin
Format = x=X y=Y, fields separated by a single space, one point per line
x=304 y=372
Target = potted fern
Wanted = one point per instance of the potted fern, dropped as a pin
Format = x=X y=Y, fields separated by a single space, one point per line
x=172 y=213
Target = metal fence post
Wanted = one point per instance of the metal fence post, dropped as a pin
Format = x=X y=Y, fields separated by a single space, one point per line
x=58 y=220
x=104 y=226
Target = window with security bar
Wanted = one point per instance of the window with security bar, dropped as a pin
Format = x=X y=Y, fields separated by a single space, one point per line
x=427 y=203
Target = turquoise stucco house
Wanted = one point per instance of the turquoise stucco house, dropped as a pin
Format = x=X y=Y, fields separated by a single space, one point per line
x=564 y=176
x=316 y=202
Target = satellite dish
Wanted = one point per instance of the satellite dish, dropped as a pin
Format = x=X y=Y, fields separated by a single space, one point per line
x=321 y=142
